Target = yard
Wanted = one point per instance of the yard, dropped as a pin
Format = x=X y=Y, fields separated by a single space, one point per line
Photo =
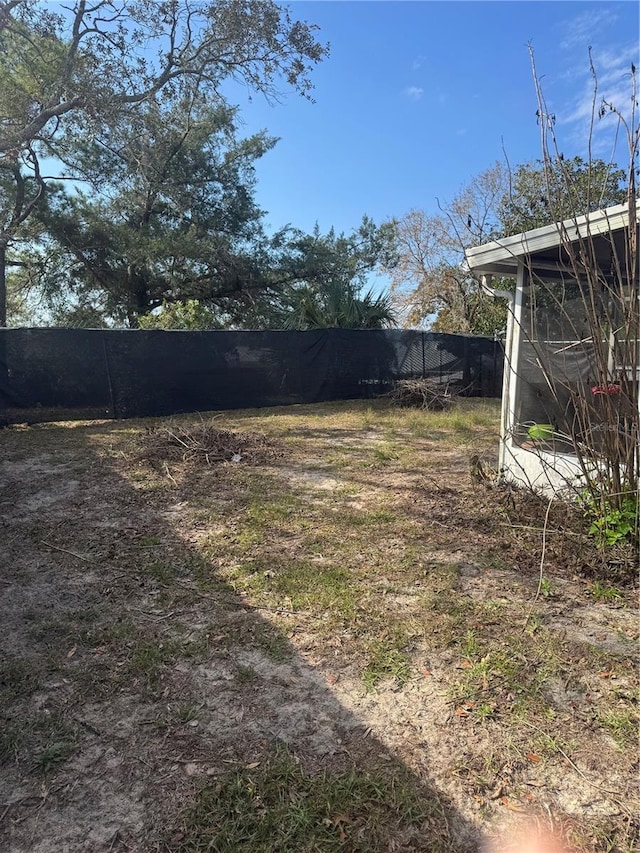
x=328 y=632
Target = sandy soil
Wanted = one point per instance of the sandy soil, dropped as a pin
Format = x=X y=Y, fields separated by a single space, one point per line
x=128 y=683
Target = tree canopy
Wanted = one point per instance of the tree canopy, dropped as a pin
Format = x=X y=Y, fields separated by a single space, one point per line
x=175 y=218
x=92 y=61
x=303 y=281
x=541 y=193
x=431 y=283
x=89 y=69
x=158 y=224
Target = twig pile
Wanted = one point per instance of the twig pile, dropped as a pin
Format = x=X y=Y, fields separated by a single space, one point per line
x=422 y=394
x=204 y=442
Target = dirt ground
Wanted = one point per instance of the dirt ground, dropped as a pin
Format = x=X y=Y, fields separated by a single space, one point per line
x=155 y=637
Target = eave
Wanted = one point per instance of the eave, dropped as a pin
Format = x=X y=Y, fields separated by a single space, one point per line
x=545 y=248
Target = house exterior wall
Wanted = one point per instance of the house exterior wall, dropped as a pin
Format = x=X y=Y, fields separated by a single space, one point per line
x=544 y=471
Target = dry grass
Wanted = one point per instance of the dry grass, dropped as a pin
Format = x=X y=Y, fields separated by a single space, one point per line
x=193 y=645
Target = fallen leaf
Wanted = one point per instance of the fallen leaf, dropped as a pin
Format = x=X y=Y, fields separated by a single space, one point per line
x=465 y=664
x=332 y=679
x=606 y=673
x=532 y=756
x=513 y=807
x=338 y=821
x=460 y=712
x=426 y=672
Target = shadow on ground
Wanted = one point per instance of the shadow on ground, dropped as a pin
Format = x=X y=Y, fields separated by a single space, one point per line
x=133 y=680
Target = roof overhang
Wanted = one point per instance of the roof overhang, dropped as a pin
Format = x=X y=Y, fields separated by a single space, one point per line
x=544 y=249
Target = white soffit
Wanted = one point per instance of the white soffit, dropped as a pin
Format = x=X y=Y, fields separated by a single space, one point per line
x=501 y=257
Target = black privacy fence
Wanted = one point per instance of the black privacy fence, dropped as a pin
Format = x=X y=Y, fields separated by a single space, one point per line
x=75 y=374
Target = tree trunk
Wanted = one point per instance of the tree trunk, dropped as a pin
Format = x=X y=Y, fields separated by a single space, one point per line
x=3 y=286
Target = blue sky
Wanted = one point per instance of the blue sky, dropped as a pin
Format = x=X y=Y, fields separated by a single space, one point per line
x=418 y=97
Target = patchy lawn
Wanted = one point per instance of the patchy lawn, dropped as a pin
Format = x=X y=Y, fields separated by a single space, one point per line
x=303 y=629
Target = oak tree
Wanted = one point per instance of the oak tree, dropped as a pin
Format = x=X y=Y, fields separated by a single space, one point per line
x=88 y=66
